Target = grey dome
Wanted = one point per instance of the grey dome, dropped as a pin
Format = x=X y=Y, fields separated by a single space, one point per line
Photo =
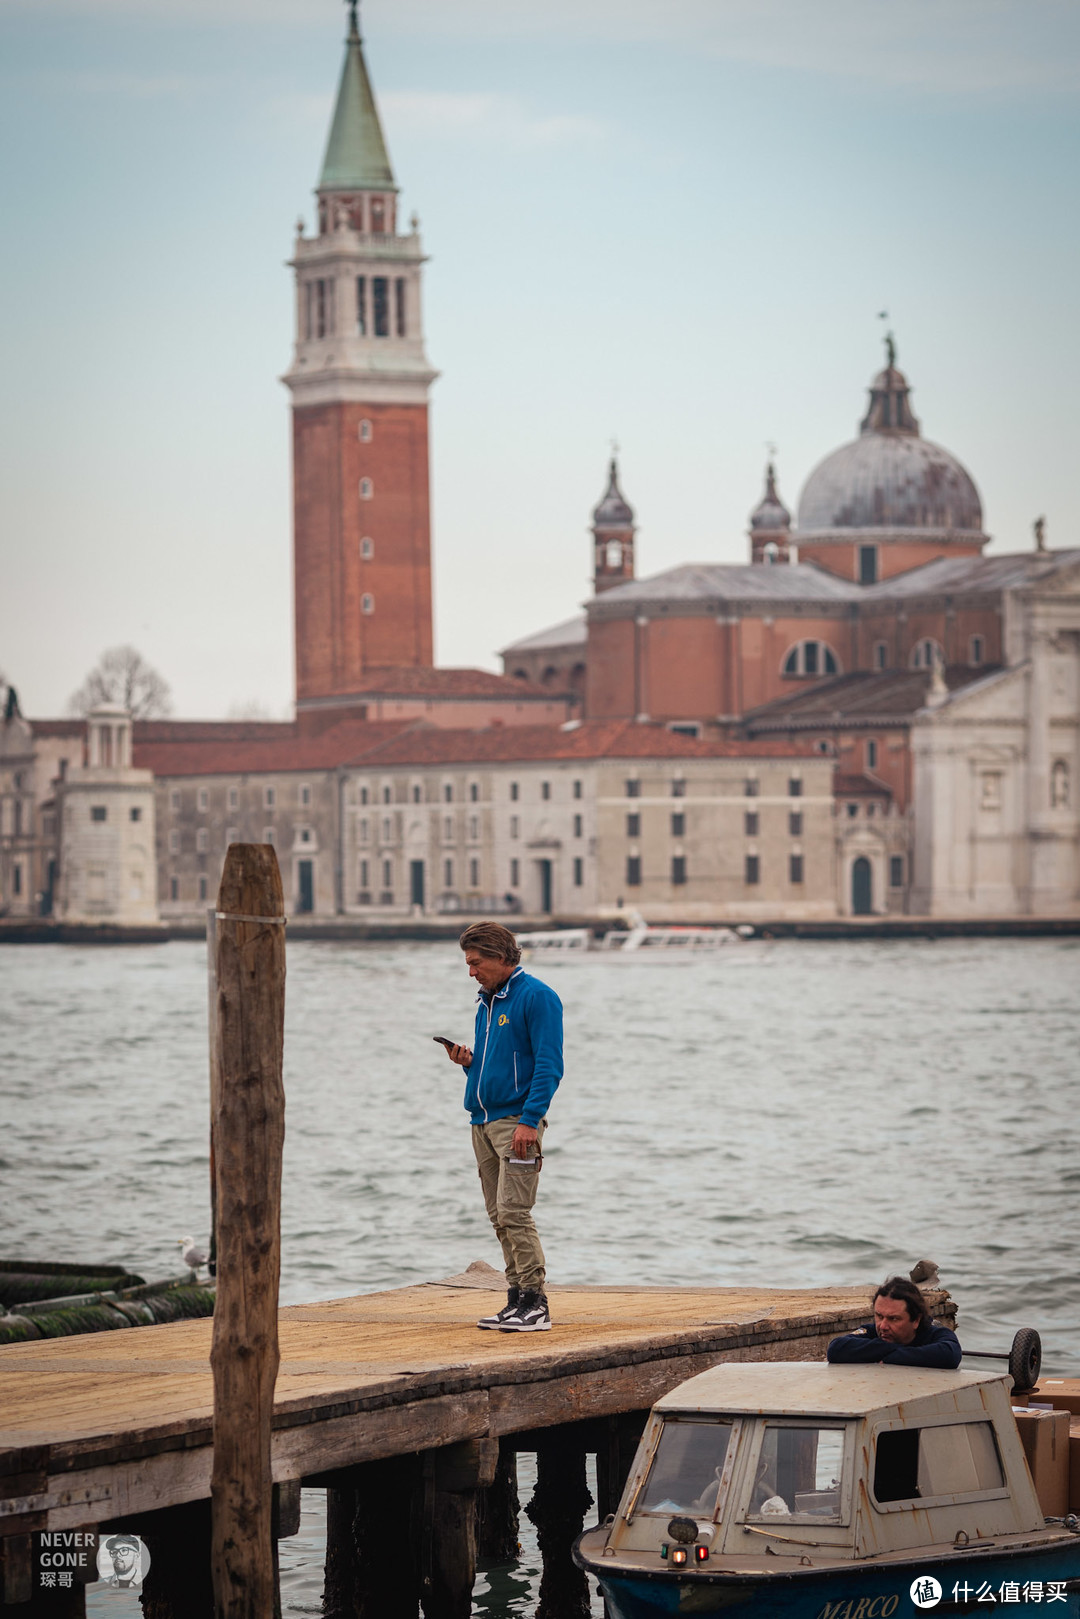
x=614 y=511
x=770 y=515
x=890 y=477
x=890 y=481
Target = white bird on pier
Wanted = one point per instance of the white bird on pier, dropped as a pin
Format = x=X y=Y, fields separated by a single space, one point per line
x=194 y=1257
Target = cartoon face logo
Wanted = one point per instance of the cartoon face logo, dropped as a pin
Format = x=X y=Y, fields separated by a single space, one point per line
x=503 y=1019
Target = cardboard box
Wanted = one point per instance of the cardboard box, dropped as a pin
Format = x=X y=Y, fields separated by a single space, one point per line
x=1045 y=1435
x=1063 y=1393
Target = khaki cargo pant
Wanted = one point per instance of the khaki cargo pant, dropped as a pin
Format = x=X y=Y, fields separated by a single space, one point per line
x=510 y=1186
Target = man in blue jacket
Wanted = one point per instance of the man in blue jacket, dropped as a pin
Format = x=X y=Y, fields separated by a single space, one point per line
x=901 y=1333
x=512 y=1071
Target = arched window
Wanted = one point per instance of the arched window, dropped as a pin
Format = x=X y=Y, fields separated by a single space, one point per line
x=367 y=488
x=367 y=548
x=365 y=431
x=613 y=554
x=1059 y=785
x=521 y=674
x=814 y=658
x=367 y=603
x=927 y=652
x=770 y=553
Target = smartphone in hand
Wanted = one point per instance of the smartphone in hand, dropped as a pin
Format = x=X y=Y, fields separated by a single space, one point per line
x=441 y=1040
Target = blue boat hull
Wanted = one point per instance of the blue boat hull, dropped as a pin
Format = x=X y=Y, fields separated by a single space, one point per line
x=865 y=1592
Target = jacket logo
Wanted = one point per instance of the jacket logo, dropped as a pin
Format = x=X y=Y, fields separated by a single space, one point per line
x=503 y=1019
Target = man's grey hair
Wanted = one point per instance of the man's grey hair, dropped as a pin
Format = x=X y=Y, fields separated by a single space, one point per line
x=491 y=939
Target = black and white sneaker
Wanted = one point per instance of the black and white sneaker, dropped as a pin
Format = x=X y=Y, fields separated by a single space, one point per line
x=493 y=1322
x=531 y=1314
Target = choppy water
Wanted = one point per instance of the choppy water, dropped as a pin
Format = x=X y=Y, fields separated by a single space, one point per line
x=827 y=1116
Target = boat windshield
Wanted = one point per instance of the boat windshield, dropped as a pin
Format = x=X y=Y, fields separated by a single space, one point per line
x=799 y=1473
x=687 y=1468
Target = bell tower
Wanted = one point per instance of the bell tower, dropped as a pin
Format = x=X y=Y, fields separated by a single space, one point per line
x=613 y=536
x=359 y=380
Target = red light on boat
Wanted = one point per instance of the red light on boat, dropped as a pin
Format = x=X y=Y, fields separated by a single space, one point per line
x=701 y=1553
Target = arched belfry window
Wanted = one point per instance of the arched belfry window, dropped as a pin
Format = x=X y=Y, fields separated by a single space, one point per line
x=927 y=652
x=811 y=658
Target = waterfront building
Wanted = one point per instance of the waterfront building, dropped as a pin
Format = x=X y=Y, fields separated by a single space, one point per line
x=105 y=817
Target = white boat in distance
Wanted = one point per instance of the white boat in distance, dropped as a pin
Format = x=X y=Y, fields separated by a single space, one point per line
x=641 y=942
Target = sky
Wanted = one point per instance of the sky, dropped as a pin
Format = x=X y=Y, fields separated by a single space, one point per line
x=669 y=225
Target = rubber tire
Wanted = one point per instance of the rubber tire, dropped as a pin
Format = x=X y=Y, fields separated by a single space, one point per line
x=1025 y=1360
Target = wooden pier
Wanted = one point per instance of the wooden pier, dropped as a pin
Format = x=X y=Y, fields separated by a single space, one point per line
x=395 y=1404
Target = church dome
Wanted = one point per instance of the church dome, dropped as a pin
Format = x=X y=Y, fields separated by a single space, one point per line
x=890 y=477
x=614 y=511
x=770 y=515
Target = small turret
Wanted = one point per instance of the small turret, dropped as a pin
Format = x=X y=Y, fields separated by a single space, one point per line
x=770 y=525
x=613 y=536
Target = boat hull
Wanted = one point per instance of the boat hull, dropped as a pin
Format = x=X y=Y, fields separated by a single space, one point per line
x=866 y=1591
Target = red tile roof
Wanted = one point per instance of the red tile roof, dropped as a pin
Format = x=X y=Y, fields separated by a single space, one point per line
x=858 y=786
x=592 y=739
x=272 y=747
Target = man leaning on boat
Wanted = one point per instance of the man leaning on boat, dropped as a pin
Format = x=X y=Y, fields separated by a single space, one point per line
x=901 y=1333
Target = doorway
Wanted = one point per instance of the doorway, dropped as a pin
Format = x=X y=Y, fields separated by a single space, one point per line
x=305 y=887
x=862 y=887
x=416 y=883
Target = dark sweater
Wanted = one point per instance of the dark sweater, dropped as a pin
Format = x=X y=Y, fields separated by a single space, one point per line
x=931 y=1346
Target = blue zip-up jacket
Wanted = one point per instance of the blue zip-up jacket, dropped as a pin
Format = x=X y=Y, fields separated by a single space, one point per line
x=517 y=1059
x=931 y=1346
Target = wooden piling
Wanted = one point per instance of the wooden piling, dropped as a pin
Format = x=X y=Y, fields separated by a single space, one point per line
x=372 y=1540
x=248 y=1114
x=453 y=1476
x=558 y=1507
x=178 y=1585
x=497 y=1510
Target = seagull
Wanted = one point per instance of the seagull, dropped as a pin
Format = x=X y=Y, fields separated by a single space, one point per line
x=192 y=1256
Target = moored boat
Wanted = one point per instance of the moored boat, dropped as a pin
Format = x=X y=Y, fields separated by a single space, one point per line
x=642 y=941
x=826 y=1492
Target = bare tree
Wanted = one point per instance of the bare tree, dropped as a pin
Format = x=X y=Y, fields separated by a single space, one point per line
x=122 y=675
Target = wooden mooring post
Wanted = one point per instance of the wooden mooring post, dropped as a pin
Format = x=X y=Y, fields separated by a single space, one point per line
x=248 y=1129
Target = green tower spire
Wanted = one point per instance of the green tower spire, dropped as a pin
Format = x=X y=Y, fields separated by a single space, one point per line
x=356 y=157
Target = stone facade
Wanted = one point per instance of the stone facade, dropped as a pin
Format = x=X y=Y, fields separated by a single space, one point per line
x=105 y=812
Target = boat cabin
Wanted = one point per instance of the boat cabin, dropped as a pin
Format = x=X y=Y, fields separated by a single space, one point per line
x=803 y=1459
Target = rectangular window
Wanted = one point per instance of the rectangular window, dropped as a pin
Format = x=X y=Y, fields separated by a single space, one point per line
x=579 y=826
x=448 y=792
x=474 y=792
x=794 y=788
x=387 y=795
x=513 y=792
x=203 y=886
x=678 y=788
x=364 y=874
x=515 y=874
x=305 y=795
x=678 y=868
x=633 y=871
x=269 y=797
x=925 y=1463
x=174 y=888
x=474 y=874
x=16 y=879
x=204 y=800
x=802 y=1469
x=234 y=798
x=976 y=650
x=174 y=841
x=388 y=874
x=751 y=823
x=364 y=799
x=753 y=869
x=387 y=830
x=448 y=829
x=361 y=305
x=579 y=872
x=98 y=812
x=202 y=840
x=871 y=754
x=751 y=787
x=365 y=829
x=380 y=288
x=269 y=835
x=399 y=304
x=174 y=800
x=689 y=1450
x=896 y=871
x=881 y=655
x=868 y=564
x=810 y=657
x=795 y=868
x=577 y=789
x=545 y=789
x=633 y=789
x=416 y=793
x=794 y=823
x=448 y=874
x=678 y=824
x=515 y=826
x=633 y=825
x=474 y=828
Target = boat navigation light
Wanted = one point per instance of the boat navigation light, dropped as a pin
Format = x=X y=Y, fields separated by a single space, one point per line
x=701 y=1553
x=678 y=1556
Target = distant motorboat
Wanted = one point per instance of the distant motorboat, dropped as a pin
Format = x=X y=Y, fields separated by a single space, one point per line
x=642 y=942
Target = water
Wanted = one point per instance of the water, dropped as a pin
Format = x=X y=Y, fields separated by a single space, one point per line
x=830 y=1115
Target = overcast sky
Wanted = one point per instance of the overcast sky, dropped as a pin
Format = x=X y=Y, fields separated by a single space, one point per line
x=670 y=223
